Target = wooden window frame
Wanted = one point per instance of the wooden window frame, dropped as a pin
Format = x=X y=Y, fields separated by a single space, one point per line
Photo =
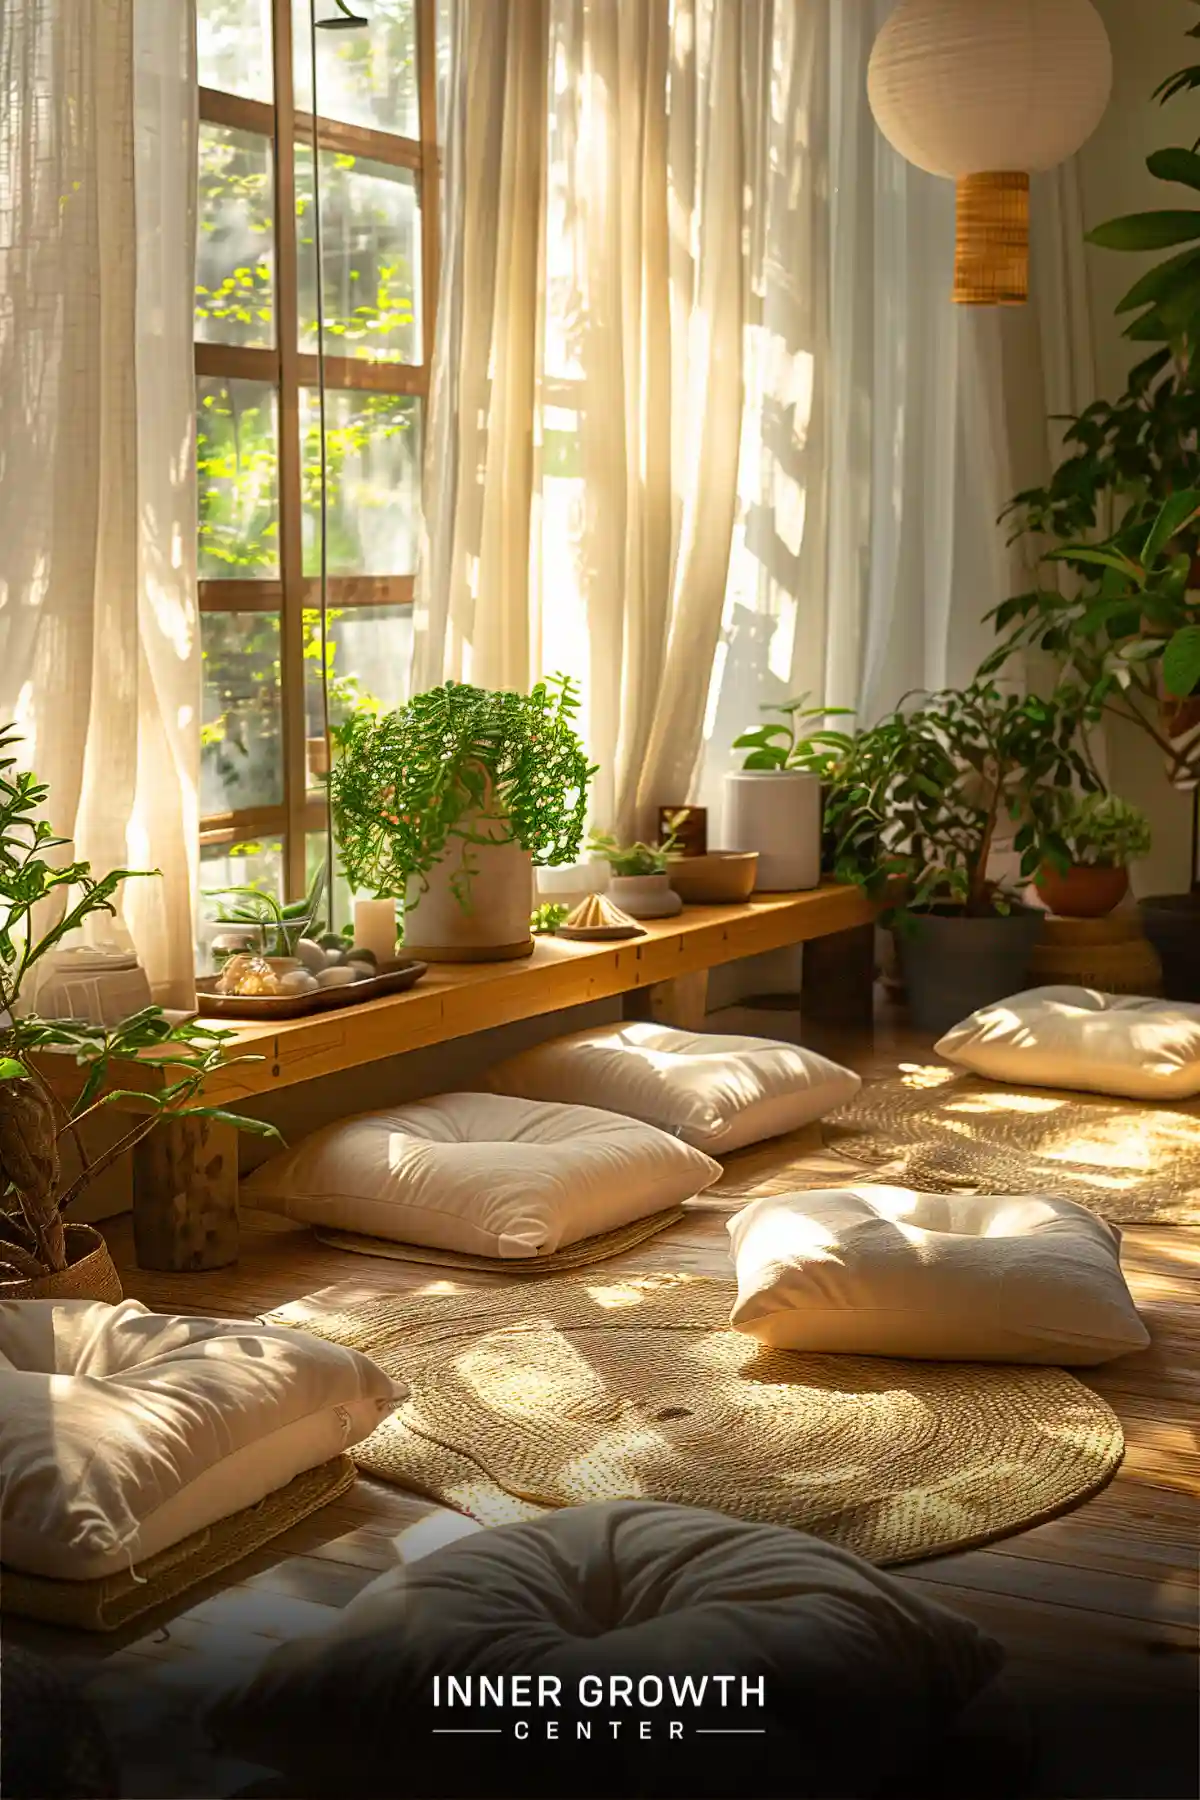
x=288 y=370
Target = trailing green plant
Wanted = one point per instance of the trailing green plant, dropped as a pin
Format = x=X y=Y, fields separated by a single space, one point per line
x=639 y=858
x=176 y=1059
x=1129 y=628
x=1097 y=829
x=455 y=768
x=783 y=743
x=923 y=797
x=279 y=925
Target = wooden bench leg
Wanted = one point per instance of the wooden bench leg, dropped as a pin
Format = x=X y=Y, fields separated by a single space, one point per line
x=681 y=1003
x=185 y=1196
x=837 y=986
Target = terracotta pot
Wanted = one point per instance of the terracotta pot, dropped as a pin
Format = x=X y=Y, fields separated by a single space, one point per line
x=90 y=1273
x=720 y=878
x=1085 y=891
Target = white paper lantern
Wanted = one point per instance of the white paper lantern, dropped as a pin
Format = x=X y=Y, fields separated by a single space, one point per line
x=986 y=92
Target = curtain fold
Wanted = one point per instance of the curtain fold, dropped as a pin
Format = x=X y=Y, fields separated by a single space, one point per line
x=99 y=646
x=767 y=449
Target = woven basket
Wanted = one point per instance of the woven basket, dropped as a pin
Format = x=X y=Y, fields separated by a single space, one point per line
x=90 y=1273
x=1110 y=953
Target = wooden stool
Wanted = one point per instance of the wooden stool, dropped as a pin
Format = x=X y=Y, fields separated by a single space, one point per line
x=1112 y=954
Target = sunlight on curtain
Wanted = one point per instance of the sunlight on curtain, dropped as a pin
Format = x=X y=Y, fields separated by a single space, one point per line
x=761 y=451
x=99 y=658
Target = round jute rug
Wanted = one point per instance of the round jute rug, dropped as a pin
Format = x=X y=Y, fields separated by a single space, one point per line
x=928 y=1128
x=576 y=1388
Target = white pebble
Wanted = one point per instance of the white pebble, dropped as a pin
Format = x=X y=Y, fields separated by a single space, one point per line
x=341 y=976
x=311 y=955
x=297 y=981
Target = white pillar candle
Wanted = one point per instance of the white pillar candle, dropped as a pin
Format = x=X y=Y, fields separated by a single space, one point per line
x=375 y=928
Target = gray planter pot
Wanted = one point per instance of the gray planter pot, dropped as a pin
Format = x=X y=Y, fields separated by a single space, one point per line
x=951 y=966
x=1172 y=923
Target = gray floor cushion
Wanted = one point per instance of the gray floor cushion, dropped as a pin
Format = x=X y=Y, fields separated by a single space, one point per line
x=734 y=1659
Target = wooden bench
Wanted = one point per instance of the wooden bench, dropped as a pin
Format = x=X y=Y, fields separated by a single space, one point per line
x=185 y=1178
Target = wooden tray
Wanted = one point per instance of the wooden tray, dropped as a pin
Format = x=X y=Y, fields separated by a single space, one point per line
x=246 y=1007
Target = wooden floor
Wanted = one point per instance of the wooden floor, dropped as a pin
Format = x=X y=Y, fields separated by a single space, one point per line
x=1097 y=1610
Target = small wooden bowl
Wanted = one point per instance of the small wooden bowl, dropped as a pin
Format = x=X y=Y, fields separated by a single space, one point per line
x=720 y=878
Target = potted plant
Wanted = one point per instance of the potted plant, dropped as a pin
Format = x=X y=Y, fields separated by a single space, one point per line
x=257 y=920
x=447 y=803
x=773 y=803
x=42 y=1255
x=1088 y=842
x=922 y=800
x=638 y=880
x=1129 y=628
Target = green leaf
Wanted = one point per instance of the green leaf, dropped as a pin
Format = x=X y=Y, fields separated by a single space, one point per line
x=1158 y=284
x=1175 y=165
x=1146 y=231
x=1174 y=515
x=12 y=1070
x=239 y=1121
x=1181 y=662
x=1096 y=556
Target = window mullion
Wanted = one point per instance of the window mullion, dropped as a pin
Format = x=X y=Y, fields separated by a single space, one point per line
x=291 y=533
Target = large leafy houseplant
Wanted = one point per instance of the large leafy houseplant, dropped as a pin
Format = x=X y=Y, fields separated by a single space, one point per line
x=1122 y=504
x=923 y=797
x=458 y=767
x=34 y=1119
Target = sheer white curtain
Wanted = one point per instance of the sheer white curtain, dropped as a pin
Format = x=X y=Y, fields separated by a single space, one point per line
x=581 y=481
x=707 y=430
x=99 y=642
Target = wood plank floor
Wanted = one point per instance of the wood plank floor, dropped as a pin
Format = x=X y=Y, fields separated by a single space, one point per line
x=1098 y=1609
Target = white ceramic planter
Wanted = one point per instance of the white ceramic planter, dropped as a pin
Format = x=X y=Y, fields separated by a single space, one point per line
x=778 y=813
x=494 y=924
x=645 y=896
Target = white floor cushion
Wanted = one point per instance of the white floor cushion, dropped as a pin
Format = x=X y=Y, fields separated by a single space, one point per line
x=483 y=1173
x=715 y=1092
x=123 y=1431
x=850 y=1673
x=884 y=1271
x=1070 y=1037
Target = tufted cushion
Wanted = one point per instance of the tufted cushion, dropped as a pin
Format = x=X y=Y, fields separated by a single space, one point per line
x=884 y=1271
x=1071 y=1037
x=123 y=1431
x=855 y=1663
x=715 y=1092
x=482 y=1173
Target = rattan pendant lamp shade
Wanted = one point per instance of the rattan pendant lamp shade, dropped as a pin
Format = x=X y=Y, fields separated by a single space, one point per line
x=987 y=92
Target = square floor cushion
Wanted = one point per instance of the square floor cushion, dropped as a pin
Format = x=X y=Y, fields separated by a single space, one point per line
x=884 y=1271
x=714 y=1091
x=787 y=1665
x=1077 y=1038
x=123 y=1431
x=482 y=1173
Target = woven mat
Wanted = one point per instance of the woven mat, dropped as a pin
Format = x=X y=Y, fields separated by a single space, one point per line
x=1132 y=1162
x=575 y=1256
x=112 y=1601
x=554 y=1393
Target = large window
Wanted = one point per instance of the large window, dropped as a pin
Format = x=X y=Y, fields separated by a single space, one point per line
x=313 y=236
